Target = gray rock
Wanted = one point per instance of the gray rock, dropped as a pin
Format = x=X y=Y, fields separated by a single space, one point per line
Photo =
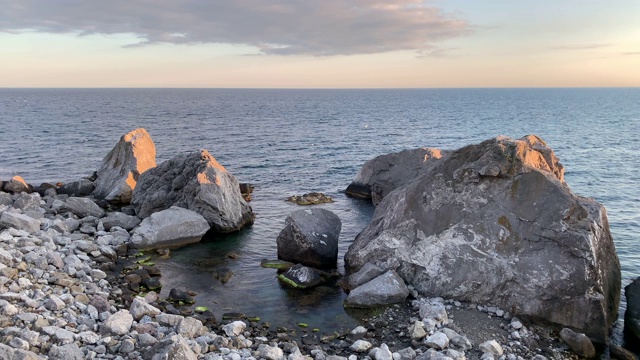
x=119 y=219
x=190 y=328
x=579 y=343
x=139 y=308
x=119 y=171
x=19 y=222
x=127 y=346
x=17 y=185
x=381 y=175
x=360 y=346
x=120 y=322
x=434 y=310
x=270 y=352
x=173 y=348
x=169 y=228
x=388 y=288
x=310 y=237
x=632 y=314
x=383 y=353
x=235 y=328
x=407 y=354
x=82 y=187
x=437 y=341
x=5 y=198
x=54 y=303
x=83 y=207
x=194 y=181
x=416 y=331
x=491 y=347
x=27 y=202
x=66 y=352
x=366 y=273
x=301 y=277
x=518 y=239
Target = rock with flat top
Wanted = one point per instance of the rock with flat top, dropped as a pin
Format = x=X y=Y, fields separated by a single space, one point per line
x=172 y=227
x=495 y=223
x=118 y=174
x=381 y=175
x=82 y=187
x=83 y=207
x=120 y=219
x=310 y=237
x=19 y=222
x=197 y=182
x=17 y=185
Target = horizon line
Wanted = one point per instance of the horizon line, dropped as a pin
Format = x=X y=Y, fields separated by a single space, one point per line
x=306 y=88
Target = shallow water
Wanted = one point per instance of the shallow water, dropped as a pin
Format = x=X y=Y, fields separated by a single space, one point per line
x=289 y=142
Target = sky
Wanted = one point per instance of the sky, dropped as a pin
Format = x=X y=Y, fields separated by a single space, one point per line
x=319 y=43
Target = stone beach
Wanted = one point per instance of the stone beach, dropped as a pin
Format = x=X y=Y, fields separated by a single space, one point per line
x=74 y=283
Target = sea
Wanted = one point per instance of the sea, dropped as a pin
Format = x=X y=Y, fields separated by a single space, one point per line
x=291 y=142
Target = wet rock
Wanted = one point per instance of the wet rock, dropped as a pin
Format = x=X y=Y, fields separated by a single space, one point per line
x=499 y=213
x=246 y=190
x=83 y=207
x=120 y=219
x=80 y=188
x=388 y=288
x=179 y=295
x=276 y=264
x=223 y=275
x=310 y=237
x=203 y=186
x=301 y=277
x=620 y=353
x=379 y=176
x=119 y=171
x=632 y=314
x=172 y=227
x=579 y=343
x=313 y=198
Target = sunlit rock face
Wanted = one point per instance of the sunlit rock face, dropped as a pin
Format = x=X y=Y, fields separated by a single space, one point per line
x=134 y=154
x=495 y=223
x=194 y=181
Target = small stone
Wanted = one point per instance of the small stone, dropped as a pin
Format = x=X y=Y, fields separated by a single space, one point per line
x=438 y=341
x=66 y=352
x=18 y=343
x=383 y=353
x=270 y=352
x=579 y=343
x=360 y=346
x=516 y=324
x=139 y=308
x=417 y=331
x=491 y=347
x=120 y=322
x=235 y=328
x=190 y=328
x=499 y=313
x=54 y=303
x=127 y=346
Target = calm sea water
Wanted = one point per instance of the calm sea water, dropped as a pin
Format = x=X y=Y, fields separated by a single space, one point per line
x=289 y=142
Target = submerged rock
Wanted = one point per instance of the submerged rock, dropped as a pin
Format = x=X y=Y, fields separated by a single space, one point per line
x=386 y=289
x=276 y=264
x=118 y=174
x=379 y=176
x=496 y=223
x=301 y=277
x=194 y=181
x=172 y=227
x=313 y=198
x=310 y=238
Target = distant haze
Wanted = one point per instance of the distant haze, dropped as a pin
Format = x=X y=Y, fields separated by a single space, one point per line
x=319 y=44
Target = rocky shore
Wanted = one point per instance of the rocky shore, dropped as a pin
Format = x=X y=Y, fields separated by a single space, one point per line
x=77 y=280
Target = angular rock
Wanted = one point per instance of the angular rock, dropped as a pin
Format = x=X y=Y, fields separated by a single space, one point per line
x=120 y=322
x=66 y=352
x=17 y=185
x=579 y=343
x=27 y=202
x=270 y=352
x=632 y=314
x=82 y=187
x=118 y=174
x=194 y=181
x=172 y=227
x=496 y=223
x=313 y=198
x=235 y=328
x=437 y=341
x=386 y=289
x=310 y=237
x=190 y=328
x=140 y=308
x=5 y=198
x=381 y=175
x=416 y=330
x=366 y=273
x=119 y=219
x=301 y=277
x=83 y=207
x=173 y=348
x=620 y=353
x=19 y=222
x=491 y=347
x=360 y=346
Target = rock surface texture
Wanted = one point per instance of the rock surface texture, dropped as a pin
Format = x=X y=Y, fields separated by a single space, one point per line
x=632 y=314
x=310 y=237
x=388 y=288
x=381 y=175
x=172 y=227
x=134 y=154
x=194 y=181
x=496 y=223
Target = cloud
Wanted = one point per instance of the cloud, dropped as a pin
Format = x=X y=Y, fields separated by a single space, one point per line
x=283 y=27
x=579 y=46
x=631 y=53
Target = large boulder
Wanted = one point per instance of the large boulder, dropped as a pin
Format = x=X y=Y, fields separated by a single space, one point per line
x=194 y=181
x=118 y=174
x=172 y=227
x=310 y=237
x=17 y=185
x=83 y=207
x=495 y=223
x=632 y=314
x=381 y=175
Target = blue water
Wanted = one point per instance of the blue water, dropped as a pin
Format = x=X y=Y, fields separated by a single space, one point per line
x=289 y=142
